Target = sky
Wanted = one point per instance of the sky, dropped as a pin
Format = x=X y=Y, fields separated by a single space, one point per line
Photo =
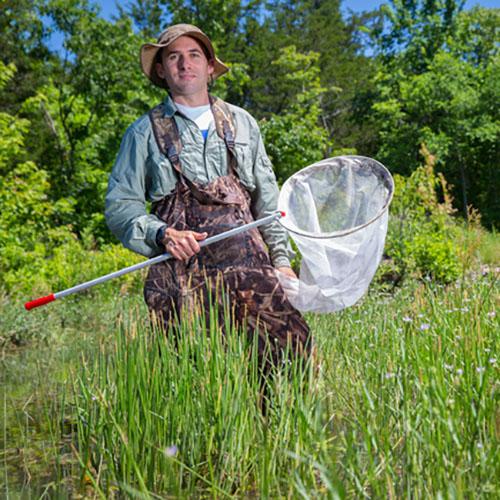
x=108 y=7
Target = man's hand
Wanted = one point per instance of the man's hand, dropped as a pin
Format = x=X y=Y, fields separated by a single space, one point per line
x=288 y=271
x=182 y=244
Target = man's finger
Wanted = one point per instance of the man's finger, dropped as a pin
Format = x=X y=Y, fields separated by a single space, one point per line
x=175 y=250
x=184 y=244
x=190 y=245
x=199 y=236
x=180 y=254
x=192 y=240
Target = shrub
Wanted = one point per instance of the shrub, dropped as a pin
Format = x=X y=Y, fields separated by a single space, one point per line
x=71 y=263
x=434 y=256
x=422 y=231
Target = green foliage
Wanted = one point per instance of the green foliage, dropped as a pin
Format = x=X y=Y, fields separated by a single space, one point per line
x=413 y=31
x=233 y=82
x=422 y=235
x=44 y=270
x=35 y=254
x=489 y=246
x=297 y=66
x=445 y=100
x=220 y=429
x=435 y=256
x=26 y=212
x=87 y=106
x=345 y=72
x=447 y=107
x=295 y=139
x=22 y=42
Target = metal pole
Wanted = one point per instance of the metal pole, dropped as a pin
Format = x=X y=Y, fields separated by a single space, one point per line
x=160 y=258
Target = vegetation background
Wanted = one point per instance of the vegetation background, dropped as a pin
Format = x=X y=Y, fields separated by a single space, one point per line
x=381 y=84
x=414 y=84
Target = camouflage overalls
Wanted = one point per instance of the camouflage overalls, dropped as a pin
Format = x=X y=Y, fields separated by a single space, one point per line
x=238 y=268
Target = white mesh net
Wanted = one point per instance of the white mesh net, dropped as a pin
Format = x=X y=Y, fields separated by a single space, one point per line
x=337 y=214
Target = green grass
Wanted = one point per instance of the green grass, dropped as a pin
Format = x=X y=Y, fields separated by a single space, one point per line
x=402 y=402
x=490 y=248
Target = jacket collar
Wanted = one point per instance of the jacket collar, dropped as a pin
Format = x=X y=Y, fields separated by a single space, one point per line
x=169 y=107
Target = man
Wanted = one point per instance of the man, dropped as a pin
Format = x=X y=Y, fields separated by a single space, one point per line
x=202 y=164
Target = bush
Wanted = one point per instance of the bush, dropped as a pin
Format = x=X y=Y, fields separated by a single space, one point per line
x=434 y=257
x=422 y=231
x=67 y=265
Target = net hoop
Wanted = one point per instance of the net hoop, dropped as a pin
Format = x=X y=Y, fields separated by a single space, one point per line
x=364 y=162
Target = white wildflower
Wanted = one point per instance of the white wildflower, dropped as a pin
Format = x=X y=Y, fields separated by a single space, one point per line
x=171 y=451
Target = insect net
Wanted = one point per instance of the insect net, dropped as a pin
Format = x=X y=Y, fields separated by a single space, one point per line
x=337 y=215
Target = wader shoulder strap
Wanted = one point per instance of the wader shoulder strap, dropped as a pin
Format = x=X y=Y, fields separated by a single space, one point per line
x=167 y=135
x=224 y=124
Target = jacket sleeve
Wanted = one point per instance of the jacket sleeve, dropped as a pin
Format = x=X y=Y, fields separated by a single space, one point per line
x=265 y=202
x=125 y=212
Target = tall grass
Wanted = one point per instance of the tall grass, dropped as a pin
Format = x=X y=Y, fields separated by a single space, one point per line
x=39 y=353
x=402 y=401
x=182 y=414
x=414 y=387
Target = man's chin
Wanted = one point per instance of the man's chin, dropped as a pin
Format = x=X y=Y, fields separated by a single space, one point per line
x=191 y=89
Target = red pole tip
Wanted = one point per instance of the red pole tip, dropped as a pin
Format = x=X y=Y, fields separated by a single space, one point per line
x=283 y=214
x=39 y=302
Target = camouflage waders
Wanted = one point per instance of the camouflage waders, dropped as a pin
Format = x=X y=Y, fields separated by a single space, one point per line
x=237 y=270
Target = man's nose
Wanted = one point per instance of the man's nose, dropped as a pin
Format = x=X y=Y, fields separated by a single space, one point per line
x=182 y=62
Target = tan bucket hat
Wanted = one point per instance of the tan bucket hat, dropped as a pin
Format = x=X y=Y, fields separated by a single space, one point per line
x=168 y=36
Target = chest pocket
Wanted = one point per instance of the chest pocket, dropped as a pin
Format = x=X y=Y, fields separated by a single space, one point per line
x=245 y=160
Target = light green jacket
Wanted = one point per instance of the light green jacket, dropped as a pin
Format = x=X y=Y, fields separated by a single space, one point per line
x=141 y=173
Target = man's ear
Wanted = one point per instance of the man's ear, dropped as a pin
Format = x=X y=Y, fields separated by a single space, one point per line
x=211 y=67
x=160 y=71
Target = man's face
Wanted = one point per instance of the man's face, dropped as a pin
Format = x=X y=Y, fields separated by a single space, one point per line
x=185 y=68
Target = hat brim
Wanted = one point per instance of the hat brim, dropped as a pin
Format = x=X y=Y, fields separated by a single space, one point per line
x=148 y=58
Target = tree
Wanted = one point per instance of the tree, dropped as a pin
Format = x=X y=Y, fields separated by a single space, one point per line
x=345 y=72
x=409 y=33
x=147 y=15
x=295 y=139
x=26 y=211
x=449 y=107
x=22 y=36
x=86 y=106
